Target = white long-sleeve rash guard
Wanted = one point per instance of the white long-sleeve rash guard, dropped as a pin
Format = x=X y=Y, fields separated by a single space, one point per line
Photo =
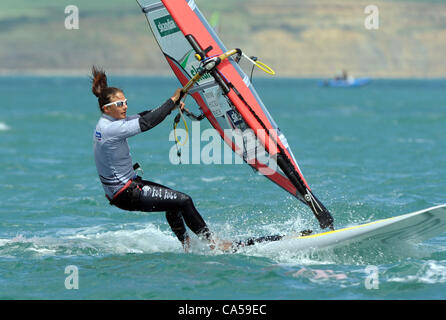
x=111 y=150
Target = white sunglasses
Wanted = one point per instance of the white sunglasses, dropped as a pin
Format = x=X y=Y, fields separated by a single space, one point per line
x=117 y=103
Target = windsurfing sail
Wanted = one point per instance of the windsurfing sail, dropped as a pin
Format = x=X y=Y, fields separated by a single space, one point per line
x=227 y=97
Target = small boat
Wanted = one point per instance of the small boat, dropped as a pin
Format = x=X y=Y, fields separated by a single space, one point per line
x=345 y=83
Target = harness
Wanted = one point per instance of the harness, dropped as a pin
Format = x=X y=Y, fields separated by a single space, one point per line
x=130 y=186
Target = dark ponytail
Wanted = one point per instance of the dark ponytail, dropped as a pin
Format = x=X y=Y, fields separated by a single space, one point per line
x=100 y=88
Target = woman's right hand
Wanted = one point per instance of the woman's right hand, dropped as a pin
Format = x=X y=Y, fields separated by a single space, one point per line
x=176 y=95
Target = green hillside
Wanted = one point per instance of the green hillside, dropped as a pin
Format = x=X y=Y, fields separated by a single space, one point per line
x=299 y=38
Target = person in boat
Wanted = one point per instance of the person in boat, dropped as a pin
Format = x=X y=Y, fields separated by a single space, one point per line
x=123 y=187
x=343 y=76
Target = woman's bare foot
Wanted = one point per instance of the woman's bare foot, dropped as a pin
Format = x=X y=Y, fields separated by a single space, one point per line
x=222 y=245
x=186 y=244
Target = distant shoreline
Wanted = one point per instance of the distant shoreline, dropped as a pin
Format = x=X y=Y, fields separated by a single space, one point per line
x=75 y=73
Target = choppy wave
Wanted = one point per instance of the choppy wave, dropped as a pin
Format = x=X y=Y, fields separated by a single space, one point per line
x=429 y=272
x=4 y=127
x=99 y=240
x=150 y=238
x=212 y=179
x=344 y=268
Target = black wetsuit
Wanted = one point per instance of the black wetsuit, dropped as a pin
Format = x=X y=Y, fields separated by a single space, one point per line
x=125 y=189
x=148 y=196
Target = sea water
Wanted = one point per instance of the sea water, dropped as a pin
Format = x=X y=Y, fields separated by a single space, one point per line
x=368 y=153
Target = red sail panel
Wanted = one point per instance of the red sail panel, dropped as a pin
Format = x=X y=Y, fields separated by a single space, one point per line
x=190 y=23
